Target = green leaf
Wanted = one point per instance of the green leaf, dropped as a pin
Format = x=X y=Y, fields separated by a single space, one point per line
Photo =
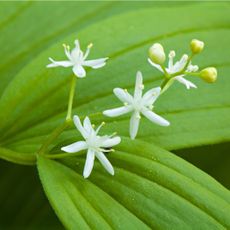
x=197 y=117
x=151 y=187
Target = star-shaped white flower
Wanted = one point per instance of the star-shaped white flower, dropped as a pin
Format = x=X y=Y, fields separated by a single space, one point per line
x=95 y=145
x=77 y=60
x=138 y=105
x=177 y=67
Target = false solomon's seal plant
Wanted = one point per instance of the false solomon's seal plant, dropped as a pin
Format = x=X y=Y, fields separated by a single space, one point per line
x=138 y=104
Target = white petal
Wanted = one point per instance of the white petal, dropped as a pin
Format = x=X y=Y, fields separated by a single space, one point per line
x=151 y=95
x=118 y=111
x=95 y=64
x=179 y=65
x=59 y=63
x=139 y=85
x=185 y=82
x=77 y=44
x=123 y=95
x=75 y=147
x=105 y=162
x=87 y=125
x=79 y=126
x=155 y=118
x=76 y=52
x=155 y=65
x=79 y=71
x=89 y=163
x=111 y=142
x=134 y=124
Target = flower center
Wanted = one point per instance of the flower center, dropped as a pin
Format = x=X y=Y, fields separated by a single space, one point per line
x=93 y=142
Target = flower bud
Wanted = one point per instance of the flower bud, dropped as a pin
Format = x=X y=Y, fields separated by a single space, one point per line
x=209 y=74
x=196 y=46
x=157 y=54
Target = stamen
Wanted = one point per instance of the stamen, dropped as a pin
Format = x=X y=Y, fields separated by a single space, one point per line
x=93 y=125
x=151 y=107
x=106 y=150
x=126 y=90
x=172 y=54
x=141 y=86
x=138 y=117
x=90 y=46
x=125 y=103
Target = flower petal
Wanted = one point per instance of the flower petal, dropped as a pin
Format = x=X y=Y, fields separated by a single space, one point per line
x=59 y=63
x=87 y=125
x=134 y=124
x=95 y=64
x=150 y=96
x=155 y=65
x=105 y=162
x=179 y=65
x=76 y=52
x=155 y=118
x=79 y=71
x=123 y=95
x=118 y=111
x=79 y=126
x=111 y=142
x=185 y=82
x=75 y=147
x=139 y=85
x=89 y=163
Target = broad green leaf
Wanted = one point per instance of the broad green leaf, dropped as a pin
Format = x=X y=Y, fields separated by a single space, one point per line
x=151 y=187
x=29 y=20
x=197 y=117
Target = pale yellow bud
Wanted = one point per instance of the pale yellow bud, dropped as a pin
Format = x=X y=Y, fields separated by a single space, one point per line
x=157 y=54
x=209 y=74
x=196 y=46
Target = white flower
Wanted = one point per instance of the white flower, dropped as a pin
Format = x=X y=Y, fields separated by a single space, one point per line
x=77 y=59
x=177 y=67
x=138 y=105
x=94 y=144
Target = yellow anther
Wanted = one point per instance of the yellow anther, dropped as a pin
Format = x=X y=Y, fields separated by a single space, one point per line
x=142 y=86
x=90 y=45
x=125 y=104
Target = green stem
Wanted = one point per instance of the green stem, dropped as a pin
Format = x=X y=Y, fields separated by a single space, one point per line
x=164 y=83
x=165 y=71
x=62 y=155
x=71 y=96
x=53 y=136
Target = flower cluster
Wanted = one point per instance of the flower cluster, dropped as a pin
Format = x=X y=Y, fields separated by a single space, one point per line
x=139 y=104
